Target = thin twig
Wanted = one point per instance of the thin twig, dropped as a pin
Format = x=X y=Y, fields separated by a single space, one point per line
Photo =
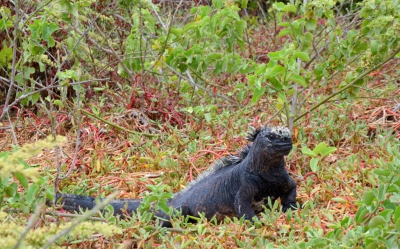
x=395 y=52
x=44 y=88
x=29 y=226
x=186 y=231
x=114 y=53
x=77 y=141
x=74 y=216
x=117 y=126
x=14 y=60
x=275 y=114
x=80 y=219
x=190 y=79
x=294 y=106
x=348 y=186
x=12 y=129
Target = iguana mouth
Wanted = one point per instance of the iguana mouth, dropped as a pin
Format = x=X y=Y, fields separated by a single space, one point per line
x=284 y=146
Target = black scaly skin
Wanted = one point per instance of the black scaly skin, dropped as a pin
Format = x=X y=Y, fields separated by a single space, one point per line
x=233 y=187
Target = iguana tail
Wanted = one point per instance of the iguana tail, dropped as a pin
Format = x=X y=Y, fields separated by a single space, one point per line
x=76 y=203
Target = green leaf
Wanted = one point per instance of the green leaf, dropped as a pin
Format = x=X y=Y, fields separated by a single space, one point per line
x=382 y=172
x=314 y=164
x=338 y=199
x=35 y=29
x=381 y=192
x=282 y=97
x=290 y=92
x=289 y=8
x=36 y=50
x=323 y=149
x=211 y=108
x=49 y=193
x=5 y=55
x=182 y=67
x=240 y=86
x=243 y=4
x=351 y=35
x=376 y=221
x=284 y=24
x=208 y=117
x=350 y=76
x=257 y=94
x=277 y=70
x=198 y=109
x=302 y=56
x=274 y=56
x=386 y=214
x=11 y=190
x=361 y=213
x=189 y=26
x=327 y=151
x=372 y=245
x=319 y=148
x=239 y=243
x=217 y=4
x=284 y=32
x=368 y=197
x=47 y=30
x=35 y=97
x=212 y=57
x=5 y=154
x=397 y=225
x=297 y=79
x=218 y=67
x=311 y=24
x=22 y=179
x=297 y=25
x=27 y=71
x=204 y=21
x=194 y=10
x=278 y=86
x=164 y=207
x=278 y=5
x=59 y=103
x=241 y=95
x=397 y=214
x=240 y=26
x=68 y=74
x=31 y=193
x=177 y=32
x=306 y=151
x=306 y=40
x=150 y=198
x=280 y=103
x=5 y=24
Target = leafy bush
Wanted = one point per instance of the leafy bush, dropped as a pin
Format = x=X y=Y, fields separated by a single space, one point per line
x=378 y=216
x=14 y=165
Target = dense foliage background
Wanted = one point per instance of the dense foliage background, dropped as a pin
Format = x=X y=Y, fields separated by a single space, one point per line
x=134 y=99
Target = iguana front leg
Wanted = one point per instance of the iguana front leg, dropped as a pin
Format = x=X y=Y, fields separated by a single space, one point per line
x=288 y=200
x=242 y=203
x=165 y=222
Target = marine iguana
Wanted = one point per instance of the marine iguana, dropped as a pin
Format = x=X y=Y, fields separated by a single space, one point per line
x=233 y=187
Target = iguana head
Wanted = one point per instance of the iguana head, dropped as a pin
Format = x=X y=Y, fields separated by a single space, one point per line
x=276 y=141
